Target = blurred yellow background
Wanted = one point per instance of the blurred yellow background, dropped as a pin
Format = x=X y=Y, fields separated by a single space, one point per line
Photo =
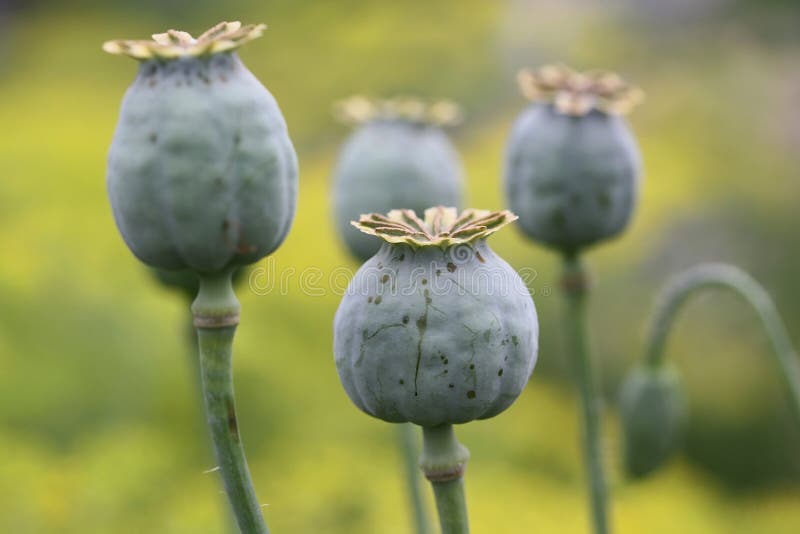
x=100 y=422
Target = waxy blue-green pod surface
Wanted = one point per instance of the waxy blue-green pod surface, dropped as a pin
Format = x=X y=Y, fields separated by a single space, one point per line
x=397 y=158
x=652 y=410
x=435 y=328
x=202 y=174
x=572 y=166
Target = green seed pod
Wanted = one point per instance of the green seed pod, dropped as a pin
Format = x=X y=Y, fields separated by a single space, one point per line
x=572 y=165
x=398 y=158
x=652 y=409
x=435 y=328
x=202 y=174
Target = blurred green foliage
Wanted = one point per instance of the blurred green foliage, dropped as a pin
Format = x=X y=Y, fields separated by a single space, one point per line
x=100 y=428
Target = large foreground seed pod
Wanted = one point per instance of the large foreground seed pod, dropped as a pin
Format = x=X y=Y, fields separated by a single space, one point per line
x=398 y=158
x=435 y=328
x=652 y=409
x=202 y=174
x=572 y=165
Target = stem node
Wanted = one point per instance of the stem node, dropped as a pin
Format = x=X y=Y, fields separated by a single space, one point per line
x=216 y=314
x=443 y=460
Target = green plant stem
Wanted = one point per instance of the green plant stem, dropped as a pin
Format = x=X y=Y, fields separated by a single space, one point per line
x=192 y=344
x=717 y=275
x=407 y=442
x=575 y=286
x=197 y=382
x=216 y=314
x=443 y=461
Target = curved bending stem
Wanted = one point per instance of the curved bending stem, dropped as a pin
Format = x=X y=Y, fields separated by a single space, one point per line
x=718 y=275
x=216 y=314
x=443 y=461
x=407 y=442
x=575 y=286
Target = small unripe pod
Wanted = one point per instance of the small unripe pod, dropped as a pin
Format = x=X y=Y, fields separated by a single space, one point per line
x=572 y=165
x=202 y=174
x=435 y=328
x=398 y=158
x=653 y=410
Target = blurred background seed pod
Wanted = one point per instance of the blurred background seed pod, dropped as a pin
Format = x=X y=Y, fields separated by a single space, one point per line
x=398 y=157
x=186 y=282
x=572 y=166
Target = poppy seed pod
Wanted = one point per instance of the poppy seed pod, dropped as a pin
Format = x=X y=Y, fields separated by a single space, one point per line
x=435 y=328
x=202 y=174
x=652 y=409
x=398 y=158
x=572 y=166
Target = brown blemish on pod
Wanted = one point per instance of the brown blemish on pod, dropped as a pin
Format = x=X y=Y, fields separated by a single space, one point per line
x=422 y=325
